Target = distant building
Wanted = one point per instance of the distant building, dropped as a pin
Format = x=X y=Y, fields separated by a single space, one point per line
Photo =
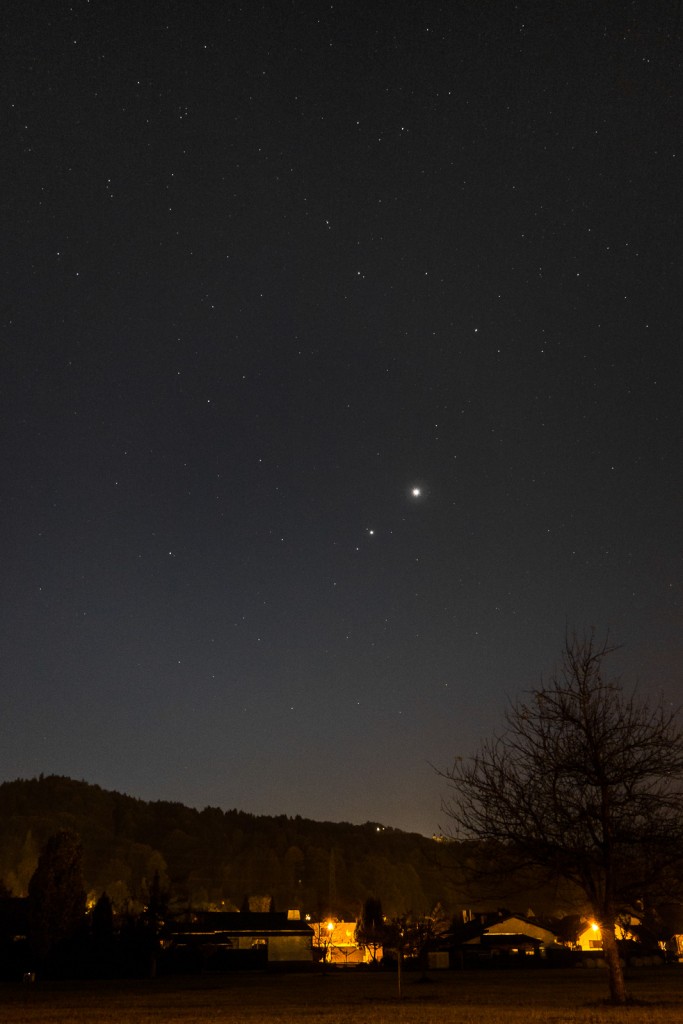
x=588 y=937
x=335 y=942
x=512 y=935
x=225 y=939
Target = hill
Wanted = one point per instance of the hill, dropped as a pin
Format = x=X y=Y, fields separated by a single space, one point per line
x=216 y=858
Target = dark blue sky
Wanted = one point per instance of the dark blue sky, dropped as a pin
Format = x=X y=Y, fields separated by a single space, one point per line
x=267 y=268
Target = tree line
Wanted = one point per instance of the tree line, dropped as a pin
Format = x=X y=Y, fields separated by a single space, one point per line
x=213 y=859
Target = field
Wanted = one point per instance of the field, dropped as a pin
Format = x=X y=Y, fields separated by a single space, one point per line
x=482 y=997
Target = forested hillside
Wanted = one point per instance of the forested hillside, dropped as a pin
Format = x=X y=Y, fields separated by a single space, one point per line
x=218 y=858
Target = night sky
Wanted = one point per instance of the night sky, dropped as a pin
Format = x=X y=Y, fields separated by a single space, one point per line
x=340 y=375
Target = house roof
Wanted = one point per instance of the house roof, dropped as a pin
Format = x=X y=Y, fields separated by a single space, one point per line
x=491 y=928
x=207 y=922
x=520 y=926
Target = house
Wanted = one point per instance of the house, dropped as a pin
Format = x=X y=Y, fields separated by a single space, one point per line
x=220 y=940
x=589 y=937
x=336 y=944
x=486 y=937
x=671 y=929
x=512 y=935
x=514 y=926
x=583 y=934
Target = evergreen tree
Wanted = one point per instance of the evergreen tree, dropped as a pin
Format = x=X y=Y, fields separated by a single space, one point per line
x=371 y=929
x=103 y=920
x=56 y=893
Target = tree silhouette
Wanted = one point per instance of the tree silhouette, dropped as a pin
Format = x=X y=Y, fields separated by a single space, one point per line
x=371 y=927
x=102 y=921
x=56 y=893
x=219 y=856
x=586 y=782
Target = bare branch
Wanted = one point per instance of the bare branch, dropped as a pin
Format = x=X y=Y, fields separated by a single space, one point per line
x=585 y=781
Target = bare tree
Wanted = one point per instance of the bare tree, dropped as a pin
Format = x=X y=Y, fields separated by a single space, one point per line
x=586 y=782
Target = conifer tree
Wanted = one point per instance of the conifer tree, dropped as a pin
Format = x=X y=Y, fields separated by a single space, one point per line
x=56 y=893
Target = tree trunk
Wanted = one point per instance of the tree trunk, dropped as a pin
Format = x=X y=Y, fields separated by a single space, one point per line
x=617 y=985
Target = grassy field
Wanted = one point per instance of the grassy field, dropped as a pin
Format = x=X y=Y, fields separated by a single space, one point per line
x=482 y=997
